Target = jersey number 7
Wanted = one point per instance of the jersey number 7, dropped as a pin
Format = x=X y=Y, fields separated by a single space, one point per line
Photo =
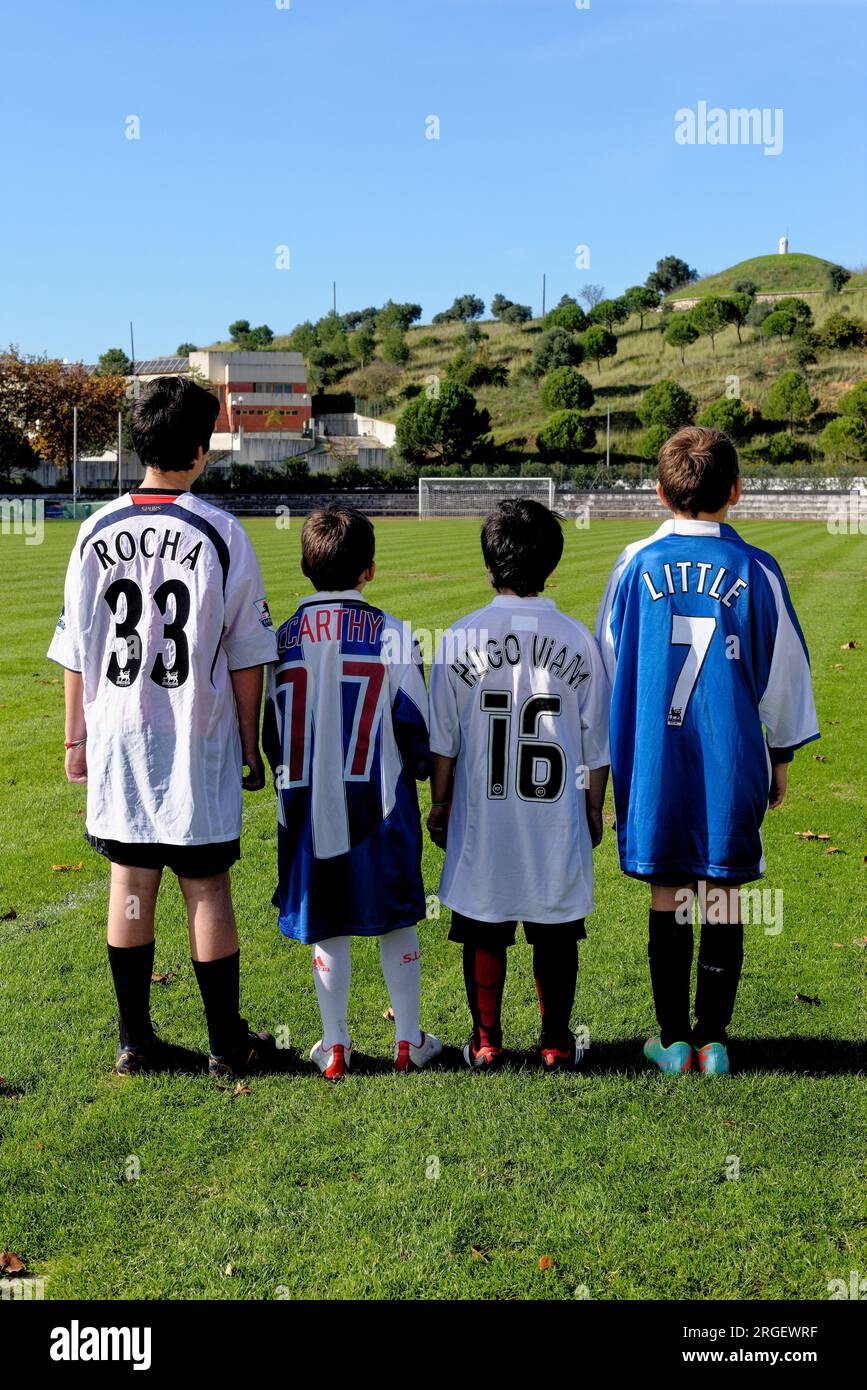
x=697 y=634
x=295 y=693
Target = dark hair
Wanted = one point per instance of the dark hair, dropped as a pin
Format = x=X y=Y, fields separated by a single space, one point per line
x=522 y=542
x=337 y=546
x=697 y=470
x=172 y=420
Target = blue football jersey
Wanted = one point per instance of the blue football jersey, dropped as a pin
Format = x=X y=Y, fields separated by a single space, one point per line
x=703 y=649
x=346 y=732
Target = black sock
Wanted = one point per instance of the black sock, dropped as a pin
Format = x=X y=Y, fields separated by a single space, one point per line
x=669 y=951
x=485 y=980
x=131 y=970
x=720 y=959
x=220 y=987
x=555 y=966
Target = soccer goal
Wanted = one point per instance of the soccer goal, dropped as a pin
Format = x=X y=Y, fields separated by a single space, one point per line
x=477 y=496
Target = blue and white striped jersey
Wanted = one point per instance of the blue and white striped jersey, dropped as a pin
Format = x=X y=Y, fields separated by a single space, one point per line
x=346 y=730
x=703 y=648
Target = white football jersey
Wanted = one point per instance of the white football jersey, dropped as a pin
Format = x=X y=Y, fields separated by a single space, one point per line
x=163 y=598
x=519 y=696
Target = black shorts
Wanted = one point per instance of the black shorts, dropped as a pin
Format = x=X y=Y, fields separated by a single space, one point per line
x=187 y=861
x=468 y=932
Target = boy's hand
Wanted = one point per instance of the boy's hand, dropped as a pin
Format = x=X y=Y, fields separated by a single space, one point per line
x=594 y=821
x=779 y=779
x=76 y=764
x=255 y=778
x=438 y=825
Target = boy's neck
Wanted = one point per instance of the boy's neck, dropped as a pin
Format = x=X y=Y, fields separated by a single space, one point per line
x=510 y=593
x=719 y=516
x=181 y=481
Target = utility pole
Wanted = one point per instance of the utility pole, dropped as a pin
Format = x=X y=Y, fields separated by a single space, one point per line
x=132 y=347
x=608 y=437
x=334 y=290
x=544 y=288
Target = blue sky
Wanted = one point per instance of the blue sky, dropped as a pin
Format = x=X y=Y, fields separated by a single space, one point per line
x=305 y=127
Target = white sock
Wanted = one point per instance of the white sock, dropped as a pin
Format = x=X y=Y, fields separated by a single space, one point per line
x=332 y=970
x=401 y=969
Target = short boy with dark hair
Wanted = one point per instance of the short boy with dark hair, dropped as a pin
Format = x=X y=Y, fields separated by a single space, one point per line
x=163 y=635
x=519 y=733
x=703 y=649
x=347 y=736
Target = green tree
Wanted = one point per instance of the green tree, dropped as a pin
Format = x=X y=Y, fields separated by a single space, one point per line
x=610 y=312
x=779 y=324
x=362 y=345
x=446 y=428
x=728 y=414
x=681 y=333
x=566 y=389
x=393 y=315
x=652 y=441
x=569 y=316
x=837 y=277
x=599 y=343
x=556 y=348
x=302 y=338
x=839 y=332
x=741 y=304
x=508 y=311
x=466 y=306
x=591 y=295
x=845 y=439
x=710 y=316
x=668 y=404
x=798 y=307
x=789 y=399
x=239 y=329
x=745 y=286
x=114 y=362
x=184 y=349
x=671 y=272
x=854 y=402
x=394 y=346
x=566 y=436
x=782 y=447
x=641 y=300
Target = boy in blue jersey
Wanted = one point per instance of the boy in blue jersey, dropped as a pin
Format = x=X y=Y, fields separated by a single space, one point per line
x=711 y=695
x=346 y=733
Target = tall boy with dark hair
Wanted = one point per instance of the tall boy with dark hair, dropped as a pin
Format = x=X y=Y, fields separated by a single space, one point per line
x=163 y=635
x=703 y=649
x=347 y=736
x=519 y=733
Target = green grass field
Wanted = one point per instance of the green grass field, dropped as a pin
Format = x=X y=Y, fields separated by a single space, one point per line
x=444 y=1185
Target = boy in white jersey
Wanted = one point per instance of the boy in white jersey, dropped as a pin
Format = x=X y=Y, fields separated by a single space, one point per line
x=163 y=636
x=519 y=733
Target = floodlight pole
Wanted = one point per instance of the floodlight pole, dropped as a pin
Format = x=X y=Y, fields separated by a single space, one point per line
x=544 y=289
x=119 y=455
x=75 y=461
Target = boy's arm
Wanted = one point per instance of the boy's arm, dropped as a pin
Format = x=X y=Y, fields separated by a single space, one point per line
x=594 y=800
x=410 y=709
x=787 y=708
x=76 y=729
x=270 y=729
x=595 y=705
x=247 y=685
x=442 y=780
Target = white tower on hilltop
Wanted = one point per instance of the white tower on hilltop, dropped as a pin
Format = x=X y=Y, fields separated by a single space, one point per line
x=783 y=246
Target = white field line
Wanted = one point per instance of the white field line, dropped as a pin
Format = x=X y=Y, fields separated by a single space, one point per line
x=53 y=912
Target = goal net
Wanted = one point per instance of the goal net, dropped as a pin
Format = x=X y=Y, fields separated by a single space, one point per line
x=477 y=496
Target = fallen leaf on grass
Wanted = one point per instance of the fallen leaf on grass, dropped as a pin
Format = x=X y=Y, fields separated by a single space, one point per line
x=66 y=868
x=847 y=646
x=389 y=1014
x=229 y=1271
x=832 y=721
x=163 y=979
x=806 y=835
x=859 y=940
x=242 y=1090
x=730 y=1122
x=478 y=1254
x=546 y=1263
x=838 y=666
x=10 y=1264
x=819 y=758
x=9 y=916
x=807 y=999
x=823 y=837
x=838 y=944
x=833 y=849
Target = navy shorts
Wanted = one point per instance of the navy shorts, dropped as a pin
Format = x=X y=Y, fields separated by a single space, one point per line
x=469 y=932
x=187 y=861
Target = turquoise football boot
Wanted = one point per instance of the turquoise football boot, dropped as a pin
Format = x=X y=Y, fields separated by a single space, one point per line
x=713 y=1059
x=674 y=1059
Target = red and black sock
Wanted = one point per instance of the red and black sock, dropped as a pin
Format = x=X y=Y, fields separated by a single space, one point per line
x=669 y=952
x=720 y=960
x=485 y=979
x=220 y=987
x=131 y=971
x=555 y=966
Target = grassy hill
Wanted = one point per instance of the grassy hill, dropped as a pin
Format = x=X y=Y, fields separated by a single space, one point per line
x=792 y=273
